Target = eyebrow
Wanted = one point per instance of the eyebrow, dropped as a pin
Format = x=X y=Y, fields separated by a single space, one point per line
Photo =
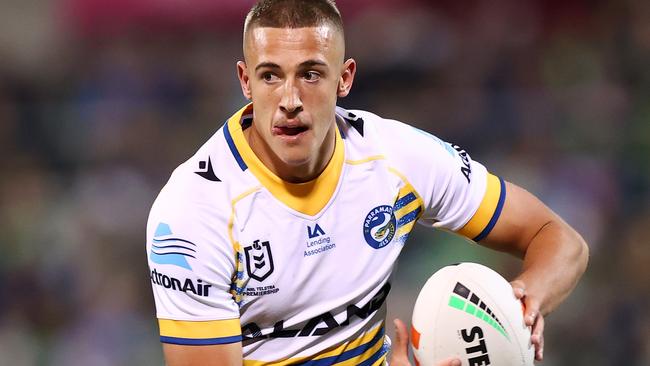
x=304 y=64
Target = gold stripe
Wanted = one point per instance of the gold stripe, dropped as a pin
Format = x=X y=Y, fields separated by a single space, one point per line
x=405 y=229
x=364 y=356
x=199 y=329
x=412 y=206
x=239 y=266
x=231 y=220
x=406 y=189
x=485 y=210
x=361 y=161
x=309 y=197
x=327 y=353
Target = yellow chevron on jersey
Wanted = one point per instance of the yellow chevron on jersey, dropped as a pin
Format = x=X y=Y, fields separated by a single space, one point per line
x=301 y=273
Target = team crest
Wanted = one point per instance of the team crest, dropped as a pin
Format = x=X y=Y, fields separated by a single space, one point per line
x=379 y=226
x=259 y=260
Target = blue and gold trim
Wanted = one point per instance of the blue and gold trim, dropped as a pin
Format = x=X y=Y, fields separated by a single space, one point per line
x=239 y=280
x=488 y=212
x=199 y=332
x=366 y=350
x=408 y=208
x=233 y=148
x=308 y=198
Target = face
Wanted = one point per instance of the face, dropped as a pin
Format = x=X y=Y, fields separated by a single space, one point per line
x=293 y=77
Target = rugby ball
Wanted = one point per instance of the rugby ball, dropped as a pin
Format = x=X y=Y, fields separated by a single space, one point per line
x=469 y=311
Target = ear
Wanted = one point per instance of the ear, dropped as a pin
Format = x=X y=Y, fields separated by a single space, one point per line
x=244 y=80
x=347 y=78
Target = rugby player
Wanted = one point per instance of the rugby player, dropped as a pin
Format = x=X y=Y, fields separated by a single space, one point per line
x=275 y=242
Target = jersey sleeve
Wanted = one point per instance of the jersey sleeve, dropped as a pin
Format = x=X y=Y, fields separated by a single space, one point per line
x=457 y=192
x=191 y=264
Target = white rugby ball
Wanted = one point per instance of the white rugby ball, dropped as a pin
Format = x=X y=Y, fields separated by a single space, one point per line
x=469 y=311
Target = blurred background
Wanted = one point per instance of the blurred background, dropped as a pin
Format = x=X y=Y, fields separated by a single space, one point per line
x=101 y=99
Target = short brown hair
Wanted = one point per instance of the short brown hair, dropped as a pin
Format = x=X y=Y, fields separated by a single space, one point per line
x=293 y=14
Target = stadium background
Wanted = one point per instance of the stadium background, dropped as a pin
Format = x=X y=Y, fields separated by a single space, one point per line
x=101 y=99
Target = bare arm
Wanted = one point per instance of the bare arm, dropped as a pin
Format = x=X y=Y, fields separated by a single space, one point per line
x=555 y=255
x=214 y=355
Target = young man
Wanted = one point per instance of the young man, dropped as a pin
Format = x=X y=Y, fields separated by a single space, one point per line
x=274 y=244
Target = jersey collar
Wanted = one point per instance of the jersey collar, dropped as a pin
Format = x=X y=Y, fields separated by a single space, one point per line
x=308 y=198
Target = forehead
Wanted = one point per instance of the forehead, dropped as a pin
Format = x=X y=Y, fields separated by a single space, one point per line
x=265 y=42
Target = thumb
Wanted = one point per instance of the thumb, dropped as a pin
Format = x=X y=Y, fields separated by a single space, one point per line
x=518 y=288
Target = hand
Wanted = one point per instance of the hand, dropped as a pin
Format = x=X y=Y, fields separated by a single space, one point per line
x=400 y=355
x=532 y=317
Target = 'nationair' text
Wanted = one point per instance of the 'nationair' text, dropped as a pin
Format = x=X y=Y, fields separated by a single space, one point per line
x=197 y=288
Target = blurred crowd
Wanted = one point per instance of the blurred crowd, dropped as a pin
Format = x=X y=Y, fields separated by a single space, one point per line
x=100 y=100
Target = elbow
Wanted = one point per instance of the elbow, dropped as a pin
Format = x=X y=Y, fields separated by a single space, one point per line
x=581 y=254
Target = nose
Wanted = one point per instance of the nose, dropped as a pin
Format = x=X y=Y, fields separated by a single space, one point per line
x=290 y=102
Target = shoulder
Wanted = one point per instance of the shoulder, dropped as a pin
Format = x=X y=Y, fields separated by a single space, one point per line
x=200 y=189
x=399 y=142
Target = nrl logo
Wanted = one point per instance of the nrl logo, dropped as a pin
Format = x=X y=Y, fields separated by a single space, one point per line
x=259 y=260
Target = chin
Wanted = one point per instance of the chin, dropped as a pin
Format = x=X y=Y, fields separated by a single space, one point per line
x=294 y=155
x=296 y=160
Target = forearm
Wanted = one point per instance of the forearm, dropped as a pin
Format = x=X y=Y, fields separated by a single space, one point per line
x=554 y=255
x=554 y=261
x=213 y=355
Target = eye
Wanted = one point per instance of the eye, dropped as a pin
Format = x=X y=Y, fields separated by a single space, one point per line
x=269 y=77
x=312 y=76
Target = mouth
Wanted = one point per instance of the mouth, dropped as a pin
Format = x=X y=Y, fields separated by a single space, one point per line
x=289 y=129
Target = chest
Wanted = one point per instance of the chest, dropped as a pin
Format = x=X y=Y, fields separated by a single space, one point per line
x=299 y=264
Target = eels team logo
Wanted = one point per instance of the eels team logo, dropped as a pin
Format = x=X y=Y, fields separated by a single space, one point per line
x=379 y=226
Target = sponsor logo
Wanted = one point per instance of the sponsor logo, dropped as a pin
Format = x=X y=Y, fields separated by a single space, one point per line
x=188 y=285
x=315 y=232
x=379 y=226
x=259 y=260
x=464 y=157
x=207 y=173
x=318 y=241
x=477 y=352
x=465 y=300
x=322 y=323
x=353 y=120
x=167 y=249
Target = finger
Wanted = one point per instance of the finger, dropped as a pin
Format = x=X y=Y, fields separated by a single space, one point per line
x=531 y=310
x=518 y=288
x=399 y=356
x=449 y=362
x=537 y=338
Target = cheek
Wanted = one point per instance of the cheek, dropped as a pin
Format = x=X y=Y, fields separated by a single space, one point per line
x=265 y=101
x=262 y=92
x=320 y=97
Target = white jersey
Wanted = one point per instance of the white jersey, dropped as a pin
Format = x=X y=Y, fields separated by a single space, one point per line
x=299 y=273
